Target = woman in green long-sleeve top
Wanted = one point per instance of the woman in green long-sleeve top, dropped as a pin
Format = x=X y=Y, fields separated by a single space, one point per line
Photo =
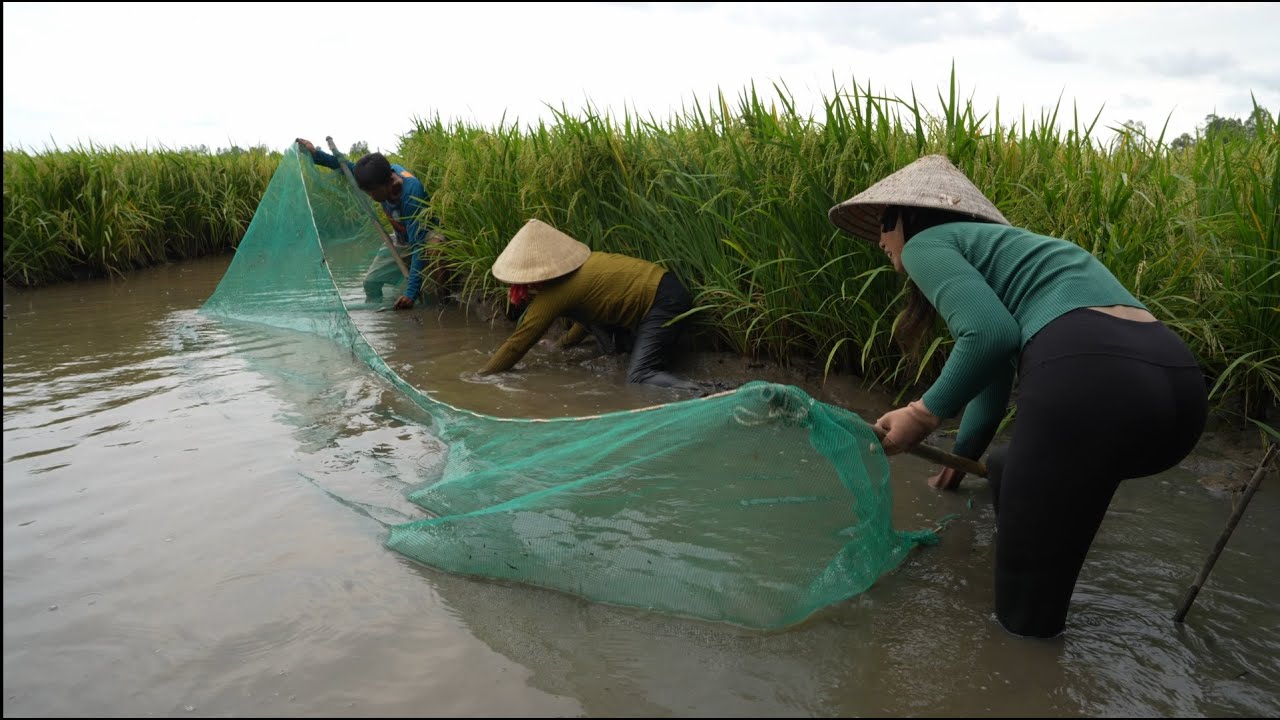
x=1106 y=391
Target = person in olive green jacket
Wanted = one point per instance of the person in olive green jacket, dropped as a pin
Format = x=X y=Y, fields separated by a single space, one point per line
x=601 y=292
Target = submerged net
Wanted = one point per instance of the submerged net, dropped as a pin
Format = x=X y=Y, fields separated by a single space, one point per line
x=755 y=507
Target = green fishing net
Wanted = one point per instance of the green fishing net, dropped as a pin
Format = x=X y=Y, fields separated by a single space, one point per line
x=755 y=507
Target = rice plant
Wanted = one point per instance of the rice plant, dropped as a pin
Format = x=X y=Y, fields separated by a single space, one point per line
x=92 y=211
x=733 y=194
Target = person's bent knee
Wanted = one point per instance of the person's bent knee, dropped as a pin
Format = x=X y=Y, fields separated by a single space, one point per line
x=667 y=380
x=640 y=377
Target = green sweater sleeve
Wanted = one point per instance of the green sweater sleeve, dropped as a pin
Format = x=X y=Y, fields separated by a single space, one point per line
x=982 y=416
x=987 y=337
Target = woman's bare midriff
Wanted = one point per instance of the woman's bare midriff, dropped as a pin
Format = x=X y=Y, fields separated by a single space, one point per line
x=1125 y=312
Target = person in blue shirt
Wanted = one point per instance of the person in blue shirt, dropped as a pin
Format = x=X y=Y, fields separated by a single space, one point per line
x=402 y=197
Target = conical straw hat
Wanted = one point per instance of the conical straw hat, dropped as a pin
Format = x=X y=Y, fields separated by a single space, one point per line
x=930 y=182
x=539 y=252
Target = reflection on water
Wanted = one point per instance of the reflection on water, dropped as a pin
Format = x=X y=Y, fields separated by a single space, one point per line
x=192 y=516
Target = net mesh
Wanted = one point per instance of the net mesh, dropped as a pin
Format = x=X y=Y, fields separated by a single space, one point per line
x=755 y=507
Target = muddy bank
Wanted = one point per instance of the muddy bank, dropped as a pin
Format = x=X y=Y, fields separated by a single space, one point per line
x=1223 y=461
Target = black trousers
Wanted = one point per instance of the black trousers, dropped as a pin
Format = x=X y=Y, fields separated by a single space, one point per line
x=655 y=339
x=652 y=341
x=1101 y=400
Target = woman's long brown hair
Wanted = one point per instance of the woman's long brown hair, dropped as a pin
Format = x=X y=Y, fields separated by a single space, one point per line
x=917 y=319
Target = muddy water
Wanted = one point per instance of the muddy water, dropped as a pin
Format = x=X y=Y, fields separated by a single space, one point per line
x=187 y=532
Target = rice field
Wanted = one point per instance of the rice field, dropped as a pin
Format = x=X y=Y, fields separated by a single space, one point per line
x=734 y=197
x=93 y=211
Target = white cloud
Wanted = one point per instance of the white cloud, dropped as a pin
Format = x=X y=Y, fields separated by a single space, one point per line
x=1049 y=47
x=1191 y=63
x=217 y=74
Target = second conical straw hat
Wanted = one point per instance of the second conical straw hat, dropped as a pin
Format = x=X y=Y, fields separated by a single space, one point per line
x=539 y=252
x=930 y=182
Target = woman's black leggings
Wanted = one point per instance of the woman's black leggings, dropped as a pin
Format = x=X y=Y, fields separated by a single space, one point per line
x=1101 y=400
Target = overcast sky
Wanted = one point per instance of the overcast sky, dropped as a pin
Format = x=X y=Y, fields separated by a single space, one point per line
x=178 y=74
